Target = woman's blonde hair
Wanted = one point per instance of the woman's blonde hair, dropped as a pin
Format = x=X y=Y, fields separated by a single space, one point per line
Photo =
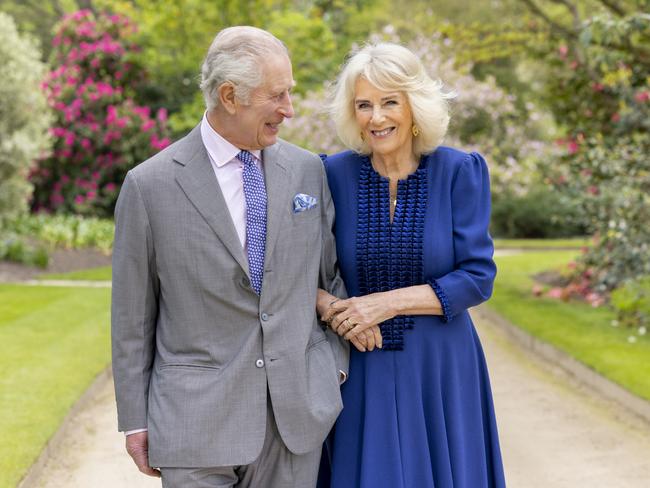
x=391 y=67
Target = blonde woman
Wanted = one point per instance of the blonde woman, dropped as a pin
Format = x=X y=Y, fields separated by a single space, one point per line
x=414 y=251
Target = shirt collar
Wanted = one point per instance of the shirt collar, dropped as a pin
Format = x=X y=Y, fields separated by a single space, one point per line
x=220 y=150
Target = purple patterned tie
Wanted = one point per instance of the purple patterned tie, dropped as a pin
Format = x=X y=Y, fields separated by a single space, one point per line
x=255 y=195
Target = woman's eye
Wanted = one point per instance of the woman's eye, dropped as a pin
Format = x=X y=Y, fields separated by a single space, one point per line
x=391 y=102
x=362 y=105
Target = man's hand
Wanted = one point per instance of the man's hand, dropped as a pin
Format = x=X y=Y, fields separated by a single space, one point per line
x=137 y=445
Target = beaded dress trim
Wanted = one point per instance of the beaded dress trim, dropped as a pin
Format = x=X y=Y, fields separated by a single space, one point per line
x=389 y=256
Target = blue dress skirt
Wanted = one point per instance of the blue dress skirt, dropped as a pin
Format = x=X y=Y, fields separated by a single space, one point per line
x=419 y=412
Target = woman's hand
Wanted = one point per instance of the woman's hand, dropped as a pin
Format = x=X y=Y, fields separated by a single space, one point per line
x=368 y=339
x=350 y=317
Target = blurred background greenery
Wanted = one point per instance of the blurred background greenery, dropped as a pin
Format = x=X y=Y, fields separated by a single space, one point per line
x=555 y=94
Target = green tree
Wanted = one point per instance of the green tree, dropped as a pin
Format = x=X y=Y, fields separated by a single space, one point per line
x=598 y=86
x=175 y=37
x=311 y=45
x=24 y=117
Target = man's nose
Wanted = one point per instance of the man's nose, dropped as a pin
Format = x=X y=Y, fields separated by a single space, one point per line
x=287 y=108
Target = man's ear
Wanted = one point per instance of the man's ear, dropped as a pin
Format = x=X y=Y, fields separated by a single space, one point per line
x=227 y=97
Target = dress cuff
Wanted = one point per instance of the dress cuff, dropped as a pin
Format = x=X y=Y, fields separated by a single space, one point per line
x=444 y=301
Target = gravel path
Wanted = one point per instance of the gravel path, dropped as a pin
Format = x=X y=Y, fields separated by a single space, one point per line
x=554 y=433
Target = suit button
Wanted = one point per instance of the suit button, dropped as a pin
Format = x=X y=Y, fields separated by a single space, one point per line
x=259 y=363
x=245 y=281
x=265 y=317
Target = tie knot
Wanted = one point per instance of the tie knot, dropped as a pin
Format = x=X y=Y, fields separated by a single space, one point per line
x=246 y=157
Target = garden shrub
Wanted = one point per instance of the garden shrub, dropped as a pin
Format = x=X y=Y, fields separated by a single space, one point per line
x=598 y=85
x=540 y=213
x=24 y=117
x=15 y=248
x=100 y=131
x=632 y=304
x=66 y=231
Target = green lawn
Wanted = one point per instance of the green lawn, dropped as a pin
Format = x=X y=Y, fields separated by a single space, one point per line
x=570 y=243
x=91 y=274
x=53 y=343
x=576 y=328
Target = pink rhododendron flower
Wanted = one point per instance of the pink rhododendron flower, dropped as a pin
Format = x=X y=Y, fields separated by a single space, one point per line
x=147 y=125
x=642 y=96
x=162 y=114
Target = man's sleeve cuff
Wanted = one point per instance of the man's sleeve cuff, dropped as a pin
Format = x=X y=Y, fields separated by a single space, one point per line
x=135 y=431
x=343 y=376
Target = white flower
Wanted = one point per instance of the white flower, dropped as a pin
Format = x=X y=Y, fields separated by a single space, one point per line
x=631 y=339
x=642 y=330
x=614 y=323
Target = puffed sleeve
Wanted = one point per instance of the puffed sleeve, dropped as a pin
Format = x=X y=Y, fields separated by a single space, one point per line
x=470 y=283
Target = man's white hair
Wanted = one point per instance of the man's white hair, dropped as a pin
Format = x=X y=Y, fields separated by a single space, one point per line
x=236 y=55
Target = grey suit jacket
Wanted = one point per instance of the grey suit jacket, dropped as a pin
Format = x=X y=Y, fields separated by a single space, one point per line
x=194 y=347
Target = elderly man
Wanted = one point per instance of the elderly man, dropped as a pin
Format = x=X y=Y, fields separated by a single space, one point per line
x=223 y=375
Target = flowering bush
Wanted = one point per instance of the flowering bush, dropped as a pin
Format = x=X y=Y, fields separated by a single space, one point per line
x=601 y=90
x=24 y=117
x=100 y=131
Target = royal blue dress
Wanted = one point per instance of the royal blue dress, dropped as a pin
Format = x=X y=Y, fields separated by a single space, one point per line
x=417 y=413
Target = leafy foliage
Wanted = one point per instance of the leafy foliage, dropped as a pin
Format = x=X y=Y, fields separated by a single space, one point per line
x=538 y=213
x=100 y=131
x=65 y=231
x=632 y=304
x=600 y=88
x=24 y=117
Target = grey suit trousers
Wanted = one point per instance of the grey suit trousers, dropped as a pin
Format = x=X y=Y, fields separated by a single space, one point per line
x=275 y=467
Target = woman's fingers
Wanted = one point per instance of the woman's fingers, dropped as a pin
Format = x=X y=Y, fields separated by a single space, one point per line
x=370 y=339
x=358 y=343
x=376 y=331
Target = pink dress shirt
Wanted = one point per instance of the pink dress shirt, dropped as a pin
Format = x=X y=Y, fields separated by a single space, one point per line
x=228 y=170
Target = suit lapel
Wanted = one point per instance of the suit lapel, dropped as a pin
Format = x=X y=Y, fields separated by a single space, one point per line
x=278 y=191
x=199 y=183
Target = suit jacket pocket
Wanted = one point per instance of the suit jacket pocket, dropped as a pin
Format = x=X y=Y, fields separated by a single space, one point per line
x=189 y=366
x=306 y=215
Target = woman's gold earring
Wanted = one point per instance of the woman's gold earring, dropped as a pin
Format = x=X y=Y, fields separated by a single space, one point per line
x=362 y=138
x=415 y=131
